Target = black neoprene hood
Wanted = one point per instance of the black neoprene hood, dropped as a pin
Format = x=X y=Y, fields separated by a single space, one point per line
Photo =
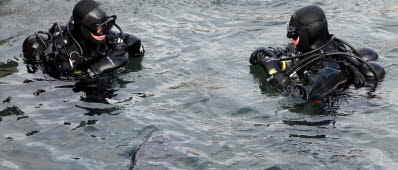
x=87 y=15
x=310 y=24
x=83 y=8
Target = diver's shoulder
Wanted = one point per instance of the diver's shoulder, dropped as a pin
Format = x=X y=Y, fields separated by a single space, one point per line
x=58 y=27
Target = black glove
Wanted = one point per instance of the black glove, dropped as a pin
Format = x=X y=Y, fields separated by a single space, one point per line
x=271 y=65
x=279 y=80
x=135 y=48
x=119 y=48
x=260 y=54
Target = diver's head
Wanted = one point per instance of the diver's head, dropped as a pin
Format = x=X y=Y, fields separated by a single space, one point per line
x=91 y=21
x=308 y=27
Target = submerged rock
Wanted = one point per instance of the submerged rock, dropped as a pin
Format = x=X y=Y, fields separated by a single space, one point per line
x=163 y=150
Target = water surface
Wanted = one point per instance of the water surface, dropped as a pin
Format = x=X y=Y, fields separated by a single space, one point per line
x=193 y=101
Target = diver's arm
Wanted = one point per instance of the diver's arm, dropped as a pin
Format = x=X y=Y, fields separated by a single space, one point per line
x=135 y=48
x=285 y=85
x=116 y=56
x=288 y=51
x=276 y=76
x=320 y=80
x=276 y=52
x=260 y=54
x=107 y=64
x=273 y=68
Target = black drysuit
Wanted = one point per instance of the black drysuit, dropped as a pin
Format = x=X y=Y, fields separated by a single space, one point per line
x=71 y=57
x=323 y=71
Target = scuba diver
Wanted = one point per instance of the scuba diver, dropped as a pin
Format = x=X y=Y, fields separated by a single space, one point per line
x=85 y=48
x=320 y=64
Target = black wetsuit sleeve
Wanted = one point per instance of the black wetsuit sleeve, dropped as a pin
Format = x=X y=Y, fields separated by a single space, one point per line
x=108 y=64
x=318 y=81
x=116 y=56
x=287 y=51
x=276 y=52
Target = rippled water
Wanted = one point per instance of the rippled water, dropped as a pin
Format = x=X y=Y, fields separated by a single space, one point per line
x=193 y=101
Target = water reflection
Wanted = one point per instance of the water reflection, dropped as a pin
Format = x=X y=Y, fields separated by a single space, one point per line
x=329 y=106
x=307 y=118
x=8 y=68
x=259 y=74
x=100 y=111
x=86 y=123
x=101 y=89
x=12 y=110
x=309 y=123
x=134 y=65
x=105 y=87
